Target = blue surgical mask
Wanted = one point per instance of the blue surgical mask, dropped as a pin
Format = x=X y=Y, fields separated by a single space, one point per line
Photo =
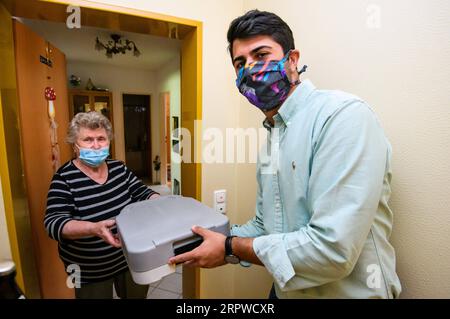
x=93 y=157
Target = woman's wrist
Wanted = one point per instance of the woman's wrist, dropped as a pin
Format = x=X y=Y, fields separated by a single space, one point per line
x=154 y=195
x=93 y=229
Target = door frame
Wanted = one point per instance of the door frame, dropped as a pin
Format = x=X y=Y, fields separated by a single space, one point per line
x=162 y=132
x=107 y=16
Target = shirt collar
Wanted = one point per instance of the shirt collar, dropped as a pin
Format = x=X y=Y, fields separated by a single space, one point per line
x=295 y=102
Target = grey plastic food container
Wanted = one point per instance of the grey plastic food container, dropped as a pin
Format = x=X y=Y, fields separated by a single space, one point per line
x=154 y=230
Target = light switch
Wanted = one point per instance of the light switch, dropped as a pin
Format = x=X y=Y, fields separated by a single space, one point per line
x=220 y=196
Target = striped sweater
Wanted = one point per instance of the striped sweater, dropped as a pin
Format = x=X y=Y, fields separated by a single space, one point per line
x=75 y=196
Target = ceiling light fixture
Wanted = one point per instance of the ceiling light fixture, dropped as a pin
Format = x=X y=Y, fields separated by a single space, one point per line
x=117 y=45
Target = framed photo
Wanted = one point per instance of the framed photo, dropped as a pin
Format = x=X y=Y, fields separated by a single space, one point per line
x=175 y=126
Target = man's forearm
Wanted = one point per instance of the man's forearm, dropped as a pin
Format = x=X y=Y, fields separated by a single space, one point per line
x=243 y=248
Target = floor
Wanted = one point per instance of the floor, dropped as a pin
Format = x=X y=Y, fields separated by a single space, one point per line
x=170 y=287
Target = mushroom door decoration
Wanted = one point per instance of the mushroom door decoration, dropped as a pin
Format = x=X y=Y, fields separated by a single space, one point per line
x=50 y=96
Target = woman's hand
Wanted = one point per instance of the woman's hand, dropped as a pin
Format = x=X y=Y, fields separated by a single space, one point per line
x=102 y=229
x=76 y=229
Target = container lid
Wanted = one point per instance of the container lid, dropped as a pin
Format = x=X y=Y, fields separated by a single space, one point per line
x=7 y=267
x=163 y=220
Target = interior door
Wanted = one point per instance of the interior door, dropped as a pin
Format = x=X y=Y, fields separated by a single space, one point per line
x=33 y=76
x=136 y=117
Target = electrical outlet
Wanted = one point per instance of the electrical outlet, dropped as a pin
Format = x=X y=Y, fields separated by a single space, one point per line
x=220 y=201
x=221 y=208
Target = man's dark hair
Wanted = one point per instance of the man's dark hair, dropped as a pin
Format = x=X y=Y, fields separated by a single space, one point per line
x=257 y=22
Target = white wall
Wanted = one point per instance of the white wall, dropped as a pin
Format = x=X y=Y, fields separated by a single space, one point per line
x=402 y=70
x=168 y=80
x=220 y=108
x=121 y=80
x=5 y=249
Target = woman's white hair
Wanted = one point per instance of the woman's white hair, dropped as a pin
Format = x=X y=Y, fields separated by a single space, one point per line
x=90 y=120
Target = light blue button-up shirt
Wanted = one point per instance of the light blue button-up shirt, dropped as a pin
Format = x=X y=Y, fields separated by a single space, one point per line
x=323 y=223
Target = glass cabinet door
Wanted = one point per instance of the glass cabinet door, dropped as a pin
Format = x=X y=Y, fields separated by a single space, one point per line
x=81 y=103
x=102 y=105
x=87 y=101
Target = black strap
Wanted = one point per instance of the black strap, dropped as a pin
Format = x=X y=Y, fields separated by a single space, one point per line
x=297 y=82
x=228 y=247
x=303 y=69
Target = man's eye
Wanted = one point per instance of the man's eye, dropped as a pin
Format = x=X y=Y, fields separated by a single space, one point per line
x=239 y=65
x=261 y=55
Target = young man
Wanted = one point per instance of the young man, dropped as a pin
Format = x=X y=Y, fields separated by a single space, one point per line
x=322 y=223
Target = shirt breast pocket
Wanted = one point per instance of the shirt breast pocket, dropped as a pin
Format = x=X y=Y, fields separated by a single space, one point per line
x=295 y=194
x=298 y=178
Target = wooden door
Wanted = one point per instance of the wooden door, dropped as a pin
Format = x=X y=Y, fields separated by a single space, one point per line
x=164 y=131
x=137 y=129
x=33 y=77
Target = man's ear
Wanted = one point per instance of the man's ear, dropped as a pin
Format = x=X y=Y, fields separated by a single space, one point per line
x=294 y=57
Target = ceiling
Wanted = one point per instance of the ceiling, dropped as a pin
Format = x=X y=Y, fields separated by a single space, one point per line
x=79 y=45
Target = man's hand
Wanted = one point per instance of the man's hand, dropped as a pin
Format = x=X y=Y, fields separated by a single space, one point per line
x=209 y=254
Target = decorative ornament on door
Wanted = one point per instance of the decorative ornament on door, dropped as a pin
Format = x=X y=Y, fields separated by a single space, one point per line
x=50 y=96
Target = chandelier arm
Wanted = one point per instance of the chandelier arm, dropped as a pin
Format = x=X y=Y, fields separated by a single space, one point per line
x=117 y=45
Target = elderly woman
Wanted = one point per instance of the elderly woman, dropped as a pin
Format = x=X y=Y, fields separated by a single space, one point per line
x=85 y=196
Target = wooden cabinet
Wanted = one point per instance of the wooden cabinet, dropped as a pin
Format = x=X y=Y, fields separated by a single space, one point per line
x=86 y=101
